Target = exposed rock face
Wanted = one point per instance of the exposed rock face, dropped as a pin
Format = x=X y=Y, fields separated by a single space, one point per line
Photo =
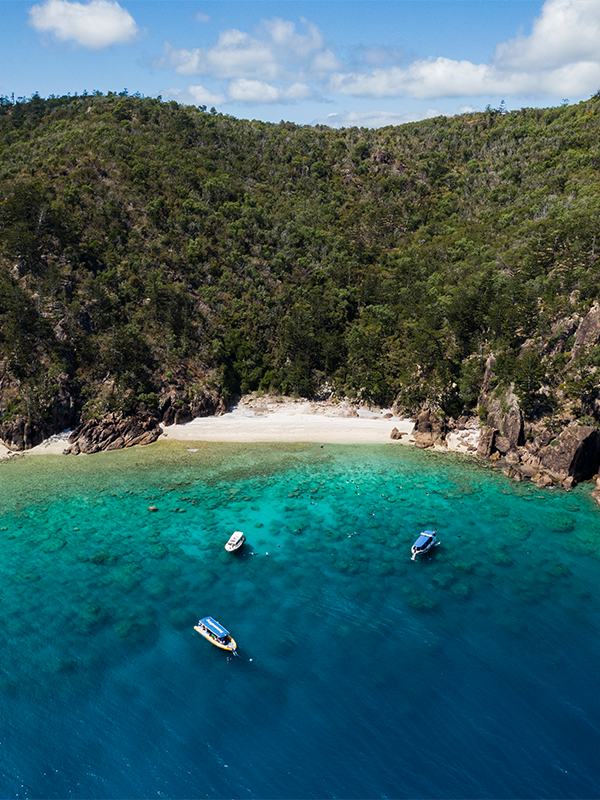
x=113 y=433
x=485 y=446
x=176 y=409
x=502 y=444
x=59 y=414
x=548 y=461
x=504 y=413
x=62 y=412
x=429 y=430
x=19 y=434
x=396 y=434
x=588 y=332
x=576 y=453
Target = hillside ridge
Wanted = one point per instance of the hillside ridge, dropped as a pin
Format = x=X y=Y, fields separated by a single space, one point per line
x=157 y=260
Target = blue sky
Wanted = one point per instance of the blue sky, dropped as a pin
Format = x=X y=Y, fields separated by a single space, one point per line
x=335 y=62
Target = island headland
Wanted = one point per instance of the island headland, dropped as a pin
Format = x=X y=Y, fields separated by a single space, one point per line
x=161 y=265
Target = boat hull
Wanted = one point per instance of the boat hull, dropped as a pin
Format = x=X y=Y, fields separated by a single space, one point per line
x=230 y=645
x=235 y=542
x=416 y=553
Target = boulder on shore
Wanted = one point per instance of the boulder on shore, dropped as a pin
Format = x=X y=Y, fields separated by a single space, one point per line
x=429 y=430
x=113 y=433
x=575 y=453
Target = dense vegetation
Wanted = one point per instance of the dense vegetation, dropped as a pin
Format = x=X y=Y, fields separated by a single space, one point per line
x=145 y=244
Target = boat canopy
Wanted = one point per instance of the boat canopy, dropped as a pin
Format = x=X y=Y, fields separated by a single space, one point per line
x=214 y=627
x=424 y=539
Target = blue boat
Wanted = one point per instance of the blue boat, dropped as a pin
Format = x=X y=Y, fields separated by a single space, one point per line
x=424 y=543
x=216 y=634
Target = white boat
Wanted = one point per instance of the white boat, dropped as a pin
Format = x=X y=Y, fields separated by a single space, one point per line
x=424 y=543
x=236 y=540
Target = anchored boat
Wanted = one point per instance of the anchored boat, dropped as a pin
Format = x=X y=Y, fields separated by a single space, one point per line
x=424 y=543
x=236 y=540
x=216 y=634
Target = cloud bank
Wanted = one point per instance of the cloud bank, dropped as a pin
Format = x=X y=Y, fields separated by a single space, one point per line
x=94 y=25
x=279 y=63
x=276 y=63
x=561 y=56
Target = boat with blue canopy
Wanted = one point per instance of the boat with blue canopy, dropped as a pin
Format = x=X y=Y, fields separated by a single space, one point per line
x=424 y=543
x=216 y=634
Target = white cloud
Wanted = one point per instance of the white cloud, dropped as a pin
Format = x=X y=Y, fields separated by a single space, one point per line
x=567 y=32
x=298 y=46
x=243 y=90
x=276 y=51
x=560 y=57
x=95 y=25
x=373 y=119
x=204 y=97
x=439 y=77
x=201 y=17
x=236 y=54
x=194 y=95
x=325 y=61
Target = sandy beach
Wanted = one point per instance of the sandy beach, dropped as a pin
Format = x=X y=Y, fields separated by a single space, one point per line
x=288 y=420
x=268 y=419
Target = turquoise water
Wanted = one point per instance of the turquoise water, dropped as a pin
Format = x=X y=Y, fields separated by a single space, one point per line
x=470 y=673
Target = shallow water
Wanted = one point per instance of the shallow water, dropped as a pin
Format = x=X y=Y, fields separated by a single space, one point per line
x=467 y=674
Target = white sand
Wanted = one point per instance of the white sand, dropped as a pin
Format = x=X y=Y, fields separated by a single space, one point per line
x=269 y=419
x=52 y=446
x=290 y=421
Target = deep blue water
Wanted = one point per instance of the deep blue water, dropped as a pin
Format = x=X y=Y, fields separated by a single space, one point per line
x=468 y=674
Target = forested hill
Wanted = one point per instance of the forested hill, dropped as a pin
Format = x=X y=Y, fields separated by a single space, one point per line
x=149 y=249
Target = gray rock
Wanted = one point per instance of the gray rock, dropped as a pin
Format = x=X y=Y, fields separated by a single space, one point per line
x=485 y=448
x=113 y=433
x=423 y=424
x=575 y=453
x=502 y=444
x=424 y=439
x=588 y=332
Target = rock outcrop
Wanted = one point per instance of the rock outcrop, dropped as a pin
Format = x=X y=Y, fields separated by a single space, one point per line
x=575 y=453
x=429 y=430
x=588 y=332
x=485 y=447
x=504 y=414
x=113 y=433
x=545 y=459
x=175 y=408
x=58 y=414
x=20 y=434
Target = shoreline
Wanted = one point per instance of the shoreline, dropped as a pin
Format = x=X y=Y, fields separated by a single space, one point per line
x=269 y=419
